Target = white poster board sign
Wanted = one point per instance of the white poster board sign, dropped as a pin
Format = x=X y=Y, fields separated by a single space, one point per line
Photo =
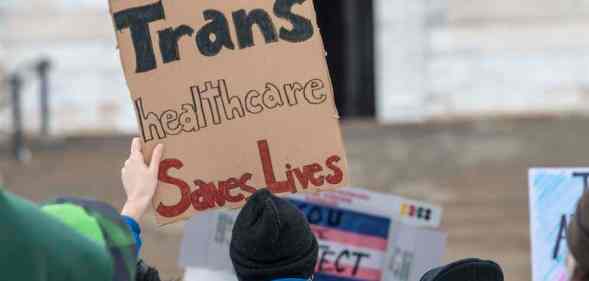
x=358 y=233
x=405 y=210
x=553 y=197
x=412 y=252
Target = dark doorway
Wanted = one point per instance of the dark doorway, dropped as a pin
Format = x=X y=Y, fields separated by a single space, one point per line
x=347 y=27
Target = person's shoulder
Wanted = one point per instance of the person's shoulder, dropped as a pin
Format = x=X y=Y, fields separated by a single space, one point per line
x=46 y=247
x=146 y=272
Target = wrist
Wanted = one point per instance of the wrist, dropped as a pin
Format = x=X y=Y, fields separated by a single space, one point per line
x=135 y=209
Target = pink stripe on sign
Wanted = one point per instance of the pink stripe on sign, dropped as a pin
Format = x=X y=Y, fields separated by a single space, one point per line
x=349 y=238
x=562 y=276
x=365 y=274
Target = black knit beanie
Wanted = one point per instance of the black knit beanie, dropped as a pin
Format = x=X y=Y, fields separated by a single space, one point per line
x=272 y=239
x=466 y=270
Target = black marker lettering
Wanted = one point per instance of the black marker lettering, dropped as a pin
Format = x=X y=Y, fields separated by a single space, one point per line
x=169 y=38
x=244 y=24
x=217 y=27
x=302 y=28
x=137 y=20
x=562 y=230
x=585 y=177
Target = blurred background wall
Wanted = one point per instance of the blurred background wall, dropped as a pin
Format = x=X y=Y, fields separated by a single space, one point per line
x=474 y=58
x=88 y=92
x=392 y=60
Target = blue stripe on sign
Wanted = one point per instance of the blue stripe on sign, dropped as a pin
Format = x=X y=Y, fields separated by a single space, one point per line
x=327 y=277
x=343 y=219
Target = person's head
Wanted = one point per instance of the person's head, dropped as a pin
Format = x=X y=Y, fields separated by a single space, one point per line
x=466 y=270
x=102 y=225
x=578 y=241
x=272 y=240
x=575 y=273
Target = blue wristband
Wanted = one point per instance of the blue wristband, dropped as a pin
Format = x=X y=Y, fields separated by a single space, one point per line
x=135 y=230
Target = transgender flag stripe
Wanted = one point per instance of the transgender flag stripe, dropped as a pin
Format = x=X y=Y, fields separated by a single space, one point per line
x=349 y=238
x=352 y=244
x=328 y=277
x=346 y=220
x=361 y=274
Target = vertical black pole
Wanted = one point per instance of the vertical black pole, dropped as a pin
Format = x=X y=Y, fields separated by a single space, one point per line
x=352 y=46
x=330 y=17
x=366 y=95
x=358 y=24
x=17 y=126
x=43 y=71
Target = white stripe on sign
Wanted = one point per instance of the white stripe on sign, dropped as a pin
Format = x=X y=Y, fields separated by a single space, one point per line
x=350 y=255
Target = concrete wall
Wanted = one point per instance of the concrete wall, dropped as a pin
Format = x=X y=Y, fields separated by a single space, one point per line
x=459 y=59
x=478 y=11
x=89 y=94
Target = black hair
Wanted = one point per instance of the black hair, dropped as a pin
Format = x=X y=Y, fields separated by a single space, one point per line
x=580 y=274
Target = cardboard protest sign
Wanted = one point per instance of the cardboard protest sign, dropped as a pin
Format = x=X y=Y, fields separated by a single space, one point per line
x=553 y=197
x=240 y=93
x=355 y=240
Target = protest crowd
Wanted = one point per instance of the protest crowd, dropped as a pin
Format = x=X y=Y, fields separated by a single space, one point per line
x=272 y=240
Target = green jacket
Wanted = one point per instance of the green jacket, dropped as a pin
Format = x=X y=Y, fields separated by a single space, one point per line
x=37 y=247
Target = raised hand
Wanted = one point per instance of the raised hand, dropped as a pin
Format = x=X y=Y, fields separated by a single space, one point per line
x=140 y=180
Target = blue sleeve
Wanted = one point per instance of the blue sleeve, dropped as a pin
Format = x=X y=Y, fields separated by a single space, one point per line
x=135 y=230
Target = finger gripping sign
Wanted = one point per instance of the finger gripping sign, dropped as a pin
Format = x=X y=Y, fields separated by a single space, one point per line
x=238 y=91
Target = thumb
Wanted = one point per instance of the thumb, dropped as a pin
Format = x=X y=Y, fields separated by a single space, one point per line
x=156 y=158
x=136 y=147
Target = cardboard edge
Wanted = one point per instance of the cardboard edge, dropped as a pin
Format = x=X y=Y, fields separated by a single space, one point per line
x=125 y=71
x=336 y=115
x=324 y=64
x=125 y=68
x=116 y=33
